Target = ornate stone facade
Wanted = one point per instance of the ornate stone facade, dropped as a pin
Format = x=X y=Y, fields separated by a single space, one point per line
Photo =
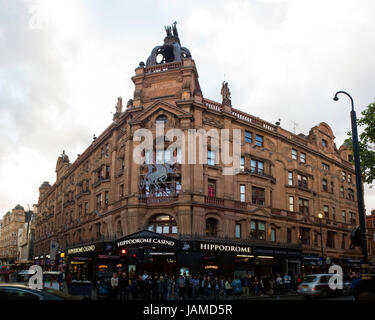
x=286 y=179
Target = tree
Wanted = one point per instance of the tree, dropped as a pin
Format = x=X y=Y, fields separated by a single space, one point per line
x=366 y=144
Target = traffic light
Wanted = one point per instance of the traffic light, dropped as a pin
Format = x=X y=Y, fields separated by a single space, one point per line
x=355 y=237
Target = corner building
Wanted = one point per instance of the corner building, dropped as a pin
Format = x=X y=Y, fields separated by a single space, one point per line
x=263 y=219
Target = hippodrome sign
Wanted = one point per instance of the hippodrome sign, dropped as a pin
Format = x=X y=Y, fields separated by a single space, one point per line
x=222 y=247
x=169 y=243
x=81 y=249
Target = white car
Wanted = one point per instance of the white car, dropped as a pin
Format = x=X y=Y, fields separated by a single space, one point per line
x=316 y=285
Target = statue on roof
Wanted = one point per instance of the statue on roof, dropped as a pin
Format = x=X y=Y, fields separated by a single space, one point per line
x=119 y=105
x=171 y=50
x=225 y=93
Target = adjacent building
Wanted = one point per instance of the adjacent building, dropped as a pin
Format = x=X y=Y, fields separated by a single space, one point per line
x=192 y=217
x=12 y=222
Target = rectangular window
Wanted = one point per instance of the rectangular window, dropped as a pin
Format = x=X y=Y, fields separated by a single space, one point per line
x=259 y=141
x=290 y=178
x=273 y=234
x=333 y=213
x=291 y=203
x=107 y=149
x=343 y=242
x=99 y=201
x=349 y=178
x=289 y=236
x=294 y=154
x=159 y=156
x=257 y=167
x=257 y=230
x=148 y=157
x=80 y=210
x=350 y=158
x=179 y=156
x=107 y=172
x=343 y=216
x=352 y=218
x=302 y=157
x=342 y=193
x=212 y=188
x=350 y=194
x=211 y=158
x=86 y=208
x=121 y=190
x=304 y=236
x=325 y=166
x=122 y=164
x=326 y=212
x=242 y=164
x=330 y=239
x=168 y=156
x=343 y=176
x=238 y=230
x=324 y=143
x=242 y=193
x=324 y=185
x=302 y=181
x=106 y=198
x=332 y=186
x=303 y=206
x=258 y=196
x=248 y=137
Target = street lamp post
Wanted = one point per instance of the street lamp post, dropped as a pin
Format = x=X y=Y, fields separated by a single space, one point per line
x=320 y=216
x=358 y=178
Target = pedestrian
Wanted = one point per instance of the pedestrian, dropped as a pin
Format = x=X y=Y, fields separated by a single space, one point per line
x=124 y=287
x=256 y=285
x=237 y=287
x=216 y=287
x=271 y=284
x=209 y=287
x=114 y=286
x=181 y=282
x=287 y=282
x=245 y=285
x=228 y=287
x=195 y=287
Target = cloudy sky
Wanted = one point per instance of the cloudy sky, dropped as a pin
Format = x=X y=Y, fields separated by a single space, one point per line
x=63 y=64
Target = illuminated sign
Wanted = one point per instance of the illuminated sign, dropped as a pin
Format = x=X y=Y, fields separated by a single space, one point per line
x=211 y=267
x=223 y=247
x=164 y=242
x=81 y=249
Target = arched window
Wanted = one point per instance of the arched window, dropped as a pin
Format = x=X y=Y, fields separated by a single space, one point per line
x=211 y=227
x=162 y=118
x=164 y=224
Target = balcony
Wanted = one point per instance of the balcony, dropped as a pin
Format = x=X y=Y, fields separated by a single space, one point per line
x=260 y=173
x=158 y=199
x=100 y=181
x=82 y=193
x=214 y=200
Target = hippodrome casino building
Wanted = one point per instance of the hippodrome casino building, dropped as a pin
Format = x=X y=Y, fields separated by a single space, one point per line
x=104 y=212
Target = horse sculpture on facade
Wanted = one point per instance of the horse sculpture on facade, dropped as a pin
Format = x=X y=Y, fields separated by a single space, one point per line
x=153 y=179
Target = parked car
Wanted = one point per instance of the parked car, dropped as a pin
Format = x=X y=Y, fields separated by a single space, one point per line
x=23 y=292
x=316 y=285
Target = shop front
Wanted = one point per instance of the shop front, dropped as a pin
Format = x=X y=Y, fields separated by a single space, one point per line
x=87 y=260
x=234 y=258
x=147 y=251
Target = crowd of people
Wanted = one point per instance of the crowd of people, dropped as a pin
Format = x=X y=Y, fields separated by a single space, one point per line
x=164 y=287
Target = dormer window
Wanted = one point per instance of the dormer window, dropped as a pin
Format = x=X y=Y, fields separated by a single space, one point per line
x=324 y=143
x=162 y=118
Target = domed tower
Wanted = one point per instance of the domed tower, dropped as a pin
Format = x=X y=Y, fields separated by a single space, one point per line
x=62 y=165
x=43 y=189
x=169 y=73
